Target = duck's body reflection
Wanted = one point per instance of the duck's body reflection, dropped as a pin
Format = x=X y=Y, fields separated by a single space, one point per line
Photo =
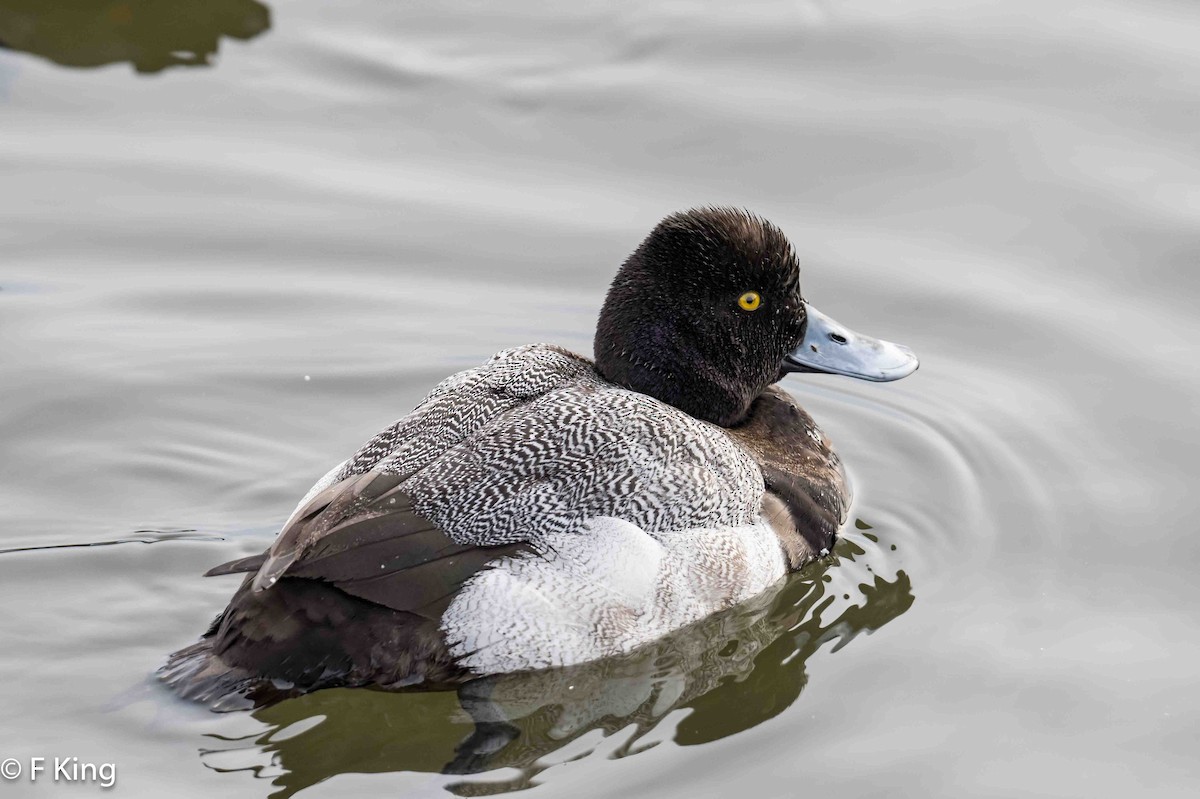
x=731 y=672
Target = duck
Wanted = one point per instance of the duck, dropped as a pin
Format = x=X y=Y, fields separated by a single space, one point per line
x=545 y=509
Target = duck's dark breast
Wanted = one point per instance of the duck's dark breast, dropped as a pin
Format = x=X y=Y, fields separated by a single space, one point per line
x=806 y=495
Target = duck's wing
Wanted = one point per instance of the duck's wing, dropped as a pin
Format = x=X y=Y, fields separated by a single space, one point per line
x=358 y=531
x=363 y=536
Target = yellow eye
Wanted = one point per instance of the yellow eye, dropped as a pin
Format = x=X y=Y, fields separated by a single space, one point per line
x=750 y=301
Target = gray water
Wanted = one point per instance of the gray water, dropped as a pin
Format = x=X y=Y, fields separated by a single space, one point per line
x=237 y=241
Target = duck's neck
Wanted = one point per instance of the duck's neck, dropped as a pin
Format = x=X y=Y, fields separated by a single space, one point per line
x=675 y=376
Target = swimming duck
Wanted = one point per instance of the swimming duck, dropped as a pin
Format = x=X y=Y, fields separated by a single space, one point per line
x=545 y=509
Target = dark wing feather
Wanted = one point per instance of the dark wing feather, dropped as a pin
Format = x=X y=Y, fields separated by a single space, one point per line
x=363 y=536
x=240 y=566
x=425 y=589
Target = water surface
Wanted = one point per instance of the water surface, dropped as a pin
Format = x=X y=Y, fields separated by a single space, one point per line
x=239 y=240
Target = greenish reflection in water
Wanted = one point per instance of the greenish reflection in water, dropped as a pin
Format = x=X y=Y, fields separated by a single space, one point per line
x=150 y=34
x=730 y=672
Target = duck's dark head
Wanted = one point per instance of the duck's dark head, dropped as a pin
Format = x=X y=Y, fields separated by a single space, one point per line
x=707 y=312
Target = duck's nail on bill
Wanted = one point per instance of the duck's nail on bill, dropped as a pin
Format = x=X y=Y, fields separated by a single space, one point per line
x=836 y=349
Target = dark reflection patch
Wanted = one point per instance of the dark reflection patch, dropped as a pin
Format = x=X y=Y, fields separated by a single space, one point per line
x=150 y=34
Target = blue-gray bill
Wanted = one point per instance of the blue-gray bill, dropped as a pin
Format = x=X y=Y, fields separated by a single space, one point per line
x=829 y=346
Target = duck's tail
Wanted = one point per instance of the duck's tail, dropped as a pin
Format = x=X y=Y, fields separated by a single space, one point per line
x=198 y=674
x=304 y=635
